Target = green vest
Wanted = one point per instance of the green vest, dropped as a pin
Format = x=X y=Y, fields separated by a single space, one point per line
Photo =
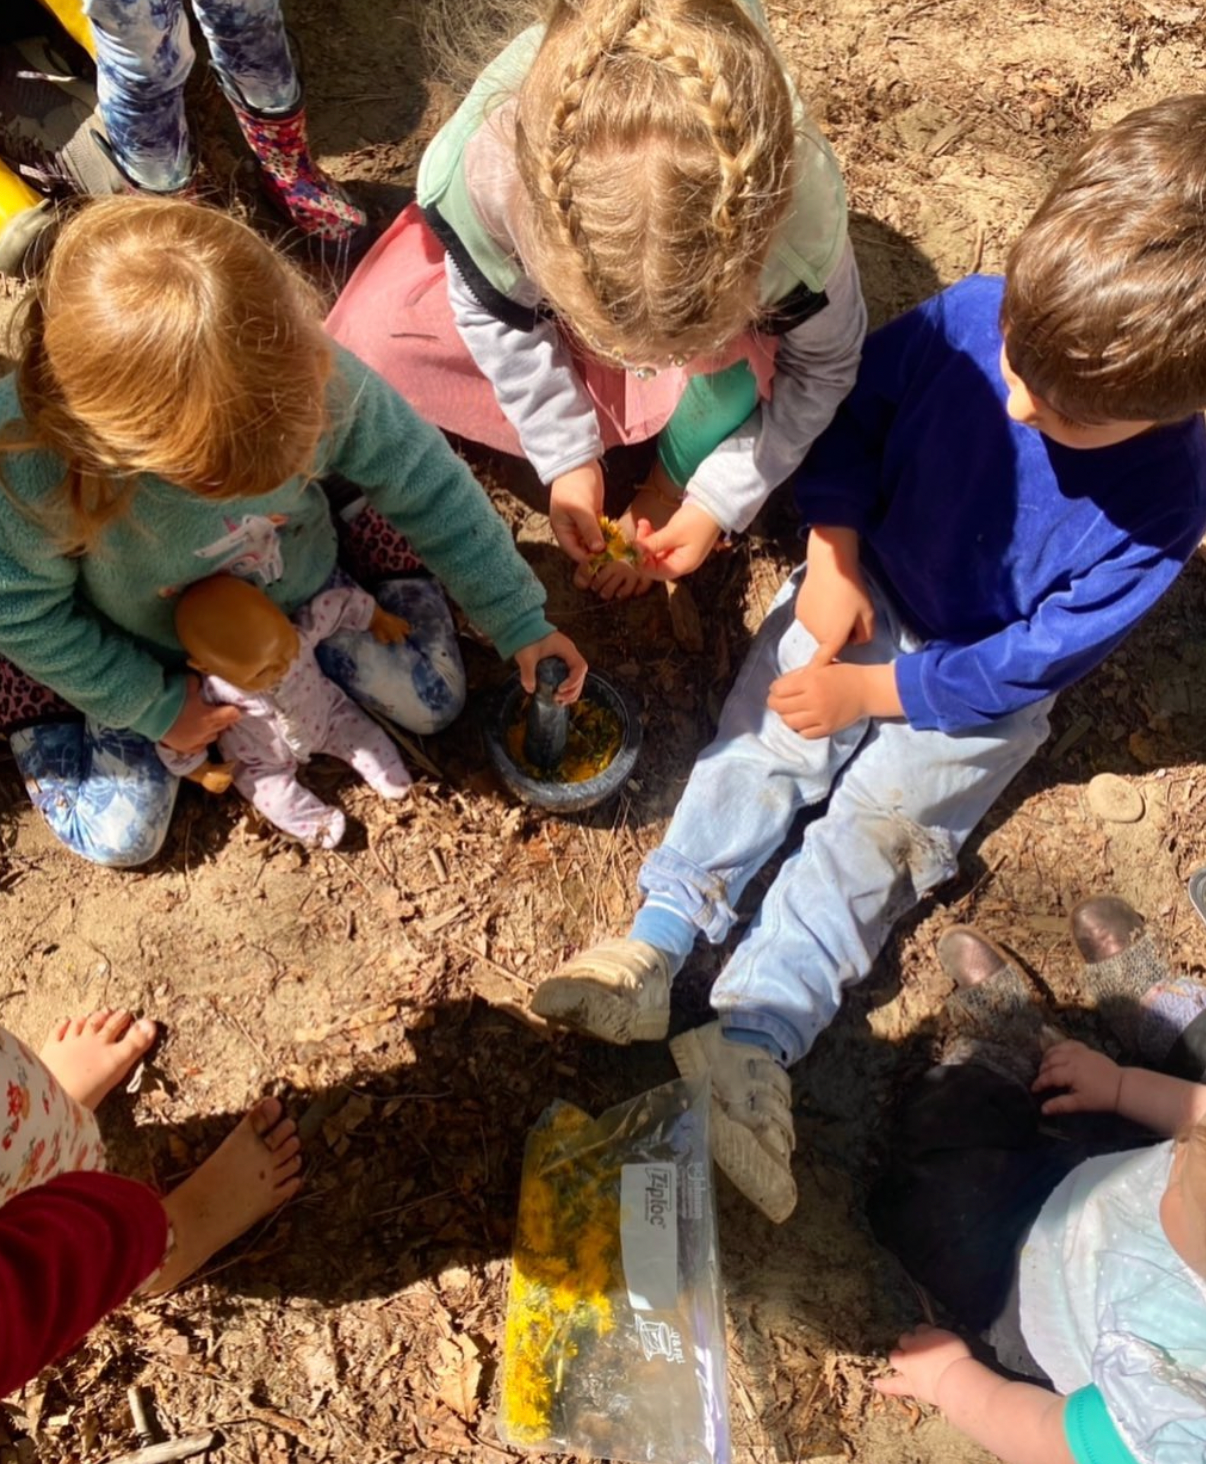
x=802 y=256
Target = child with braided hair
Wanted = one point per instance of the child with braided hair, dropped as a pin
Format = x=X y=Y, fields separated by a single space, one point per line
x=630 y=229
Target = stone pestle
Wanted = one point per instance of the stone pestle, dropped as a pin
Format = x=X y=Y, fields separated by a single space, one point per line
x=544 y=740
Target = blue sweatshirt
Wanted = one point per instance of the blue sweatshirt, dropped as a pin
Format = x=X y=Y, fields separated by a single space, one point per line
x=1021 y=563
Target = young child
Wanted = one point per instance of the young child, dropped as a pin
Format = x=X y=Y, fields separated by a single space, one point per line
x=76 y=1242
x=1074 y=1245
x=175 y=404
x=1018 y=475
x=630 y=225
x=143 y=58
x=253 y=656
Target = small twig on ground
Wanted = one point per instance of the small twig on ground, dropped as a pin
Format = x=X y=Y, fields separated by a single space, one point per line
x=486 y=961
x=413 y=1204
x=170 y=1450
x=415 y=753
x=364 y=885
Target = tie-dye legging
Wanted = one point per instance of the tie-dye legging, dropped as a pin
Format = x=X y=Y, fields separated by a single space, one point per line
x=144 y=56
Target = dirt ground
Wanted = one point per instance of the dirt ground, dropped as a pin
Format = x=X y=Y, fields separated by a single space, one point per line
x=382 y=988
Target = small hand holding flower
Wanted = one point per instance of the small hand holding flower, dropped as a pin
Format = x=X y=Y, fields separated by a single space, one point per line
x=680 y=546
x=575 y=506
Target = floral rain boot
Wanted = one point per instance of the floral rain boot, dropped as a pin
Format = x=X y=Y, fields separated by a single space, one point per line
x=296 y=185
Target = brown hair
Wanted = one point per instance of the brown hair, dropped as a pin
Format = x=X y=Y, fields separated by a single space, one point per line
x=1105 y=291
x=654 y=140
x=167 y=338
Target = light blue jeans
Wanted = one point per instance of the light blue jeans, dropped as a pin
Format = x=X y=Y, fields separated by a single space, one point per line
x=108 y=797
x=901 y=804
x=144 y=56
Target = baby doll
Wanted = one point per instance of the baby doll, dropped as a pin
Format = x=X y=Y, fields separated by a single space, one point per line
x=252 y=656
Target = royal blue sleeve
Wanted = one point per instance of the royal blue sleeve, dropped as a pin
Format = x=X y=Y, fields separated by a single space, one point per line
x=952 y=687
x=840 y=481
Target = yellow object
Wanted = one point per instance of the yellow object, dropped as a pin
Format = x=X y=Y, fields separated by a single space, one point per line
x=70 y=15
x=592 y=741
x=15 y=196
x=566 y=1261
x=615 y=546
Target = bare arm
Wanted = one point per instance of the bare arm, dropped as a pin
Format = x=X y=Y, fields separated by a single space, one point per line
x=1097 y=1084
x=1018 y=1422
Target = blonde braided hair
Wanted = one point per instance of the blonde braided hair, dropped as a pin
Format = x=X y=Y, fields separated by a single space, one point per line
x=654 y=140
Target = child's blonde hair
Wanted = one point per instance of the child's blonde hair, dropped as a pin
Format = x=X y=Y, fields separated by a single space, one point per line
x=167 y=338
x=654 y=139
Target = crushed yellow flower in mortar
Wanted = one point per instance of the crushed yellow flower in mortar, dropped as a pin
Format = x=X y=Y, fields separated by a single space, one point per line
x=565 y=1263
x=592 y=740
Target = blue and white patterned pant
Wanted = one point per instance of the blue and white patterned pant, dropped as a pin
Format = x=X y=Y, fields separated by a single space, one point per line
x=144 y=56
x=107 y=795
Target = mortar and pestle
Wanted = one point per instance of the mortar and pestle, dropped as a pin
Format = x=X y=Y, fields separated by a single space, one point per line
x=563 y=759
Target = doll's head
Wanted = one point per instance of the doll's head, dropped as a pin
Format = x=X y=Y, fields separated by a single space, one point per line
x=1183 y=1205
x=232 y=630
x=167 y=338
x=654 y=140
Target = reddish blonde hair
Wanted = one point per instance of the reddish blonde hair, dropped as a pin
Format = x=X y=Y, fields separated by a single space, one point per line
x=654 y=139
x=167 y=338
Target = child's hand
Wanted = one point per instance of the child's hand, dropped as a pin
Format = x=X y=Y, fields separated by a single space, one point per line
x=920 y=1359
x=821 y=698
x=198 y=723
x=555 y=644
x=1093 y=1080
x=388 y=629
x=682 y=545
x=575 y=505
x=833 y=604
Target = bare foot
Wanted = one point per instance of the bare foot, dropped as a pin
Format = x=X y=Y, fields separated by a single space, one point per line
x=618 y=580
x=90 y=1055
x=253 y=1171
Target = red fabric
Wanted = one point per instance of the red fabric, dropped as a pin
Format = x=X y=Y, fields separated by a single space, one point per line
x=70 y=1251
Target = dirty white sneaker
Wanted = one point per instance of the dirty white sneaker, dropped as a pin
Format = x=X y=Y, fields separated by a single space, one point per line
x=752 y=1130
x=618 y=991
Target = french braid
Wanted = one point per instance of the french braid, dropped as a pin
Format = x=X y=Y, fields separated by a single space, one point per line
x=654 y=139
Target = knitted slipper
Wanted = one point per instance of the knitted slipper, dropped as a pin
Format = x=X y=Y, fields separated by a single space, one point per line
x=1000 y=1009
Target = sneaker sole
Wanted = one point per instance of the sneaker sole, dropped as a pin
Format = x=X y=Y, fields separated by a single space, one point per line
x=582 y=1005
x=738 y=1155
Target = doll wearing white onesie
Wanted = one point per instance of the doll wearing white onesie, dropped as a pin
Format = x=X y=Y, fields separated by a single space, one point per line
x=303 y=713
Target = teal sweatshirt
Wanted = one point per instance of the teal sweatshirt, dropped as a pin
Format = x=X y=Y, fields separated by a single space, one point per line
x=98 y=628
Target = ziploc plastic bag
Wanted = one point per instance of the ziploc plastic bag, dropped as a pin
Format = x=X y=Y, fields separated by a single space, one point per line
x=615 y=1342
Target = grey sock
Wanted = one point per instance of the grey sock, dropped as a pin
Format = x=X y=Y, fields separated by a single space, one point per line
x=1118 y=986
